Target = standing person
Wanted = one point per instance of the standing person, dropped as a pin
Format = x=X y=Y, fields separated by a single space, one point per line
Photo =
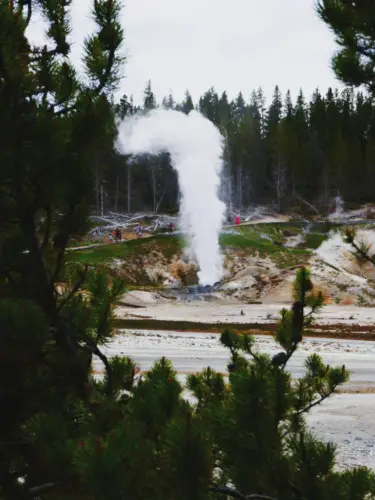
x=238 y=220
x=171 y=228
x=138 y=231
x=110 y=237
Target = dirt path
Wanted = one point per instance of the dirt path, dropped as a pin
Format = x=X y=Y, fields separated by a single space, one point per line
x=105 y=243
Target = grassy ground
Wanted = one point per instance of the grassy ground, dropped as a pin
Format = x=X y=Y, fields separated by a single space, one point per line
x=268 y=240
x=168 y=245
x=262 y=239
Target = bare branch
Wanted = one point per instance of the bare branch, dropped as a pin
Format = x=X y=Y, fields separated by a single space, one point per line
x=236 y=494
x=38 y=490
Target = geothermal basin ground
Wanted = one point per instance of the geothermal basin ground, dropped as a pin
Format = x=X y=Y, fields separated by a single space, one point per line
x=160 y=313
x=161 y=316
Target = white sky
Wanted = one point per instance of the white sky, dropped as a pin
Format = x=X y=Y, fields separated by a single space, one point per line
x=233 y=45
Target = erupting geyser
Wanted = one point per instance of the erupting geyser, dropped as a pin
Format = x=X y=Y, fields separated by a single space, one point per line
x=195 y=146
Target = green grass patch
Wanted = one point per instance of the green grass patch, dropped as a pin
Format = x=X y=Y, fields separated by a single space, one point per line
x=75 y=243
x=262 y=239
x=247 y=240
x=252 y=242
x=314 y=240
x=168 y=245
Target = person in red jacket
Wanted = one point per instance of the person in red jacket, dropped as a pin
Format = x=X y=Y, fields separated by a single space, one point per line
x=238 y=220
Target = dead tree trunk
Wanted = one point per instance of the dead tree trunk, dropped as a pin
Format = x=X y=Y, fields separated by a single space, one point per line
x=129 y=188
x=117 y=188
x=239 y=186
x=97 y=191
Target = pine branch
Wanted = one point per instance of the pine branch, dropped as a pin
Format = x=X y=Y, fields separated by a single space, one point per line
x=47 y=232
x=317 y=402
x=101 y=57
x=29 y=12
x=27 y=224
x=35 y=491
x=62 y=245
x=60 y=260
x=36 y=56
x=95 y=350
x=75 y=288
x=310 y=406
x=103 y=322
x=21 y=5
x=289 y=354
x=103 y=83
x=363 y=253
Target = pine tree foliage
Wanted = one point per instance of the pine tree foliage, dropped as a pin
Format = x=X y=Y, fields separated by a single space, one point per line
x=353 y=24
x=260 y=440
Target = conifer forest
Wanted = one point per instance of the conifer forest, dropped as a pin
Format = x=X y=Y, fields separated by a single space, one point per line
x=316 y=147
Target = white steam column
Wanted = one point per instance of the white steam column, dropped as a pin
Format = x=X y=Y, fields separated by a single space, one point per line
x=195 y=146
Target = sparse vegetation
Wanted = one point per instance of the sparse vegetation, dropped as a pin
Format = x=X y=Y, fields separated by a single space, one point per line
x=264 y=239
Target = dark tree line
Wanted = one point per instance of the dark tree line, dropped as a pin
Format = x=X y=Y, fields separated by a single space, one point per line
x=276 y=153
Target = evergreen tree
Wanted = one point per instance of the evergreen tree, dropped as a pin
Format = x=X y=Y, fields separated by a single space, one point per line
x=125 y=107
x=353 y=24
x=52 y=123
x=224 y=110
x=276 y=172
x=187 y=104
x=288 y=106
x=257 y=422
x=301 y=133
x=209 y=104
x=287 y=146
x=149 y=99
x=318 y=132
x=261 y=102
x=168 y=102
x=254 y=106
x=238 y=109
x=274 y=112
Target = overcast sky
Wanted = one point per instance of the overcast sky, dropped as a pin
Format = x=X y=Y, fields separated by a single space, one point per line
x=233 y=45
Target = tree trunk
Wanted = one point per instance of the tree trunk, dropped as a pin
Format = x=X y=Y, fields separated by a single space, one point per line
x=239 y=186
x=101 y=199
x=161 y=198
x=129 y=187
x=153 y=177
x=117 y=186
x=97 y=191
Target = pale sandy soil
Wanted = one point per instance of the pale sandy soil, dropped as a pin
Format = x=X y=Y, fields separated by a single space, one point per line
x=154 y=307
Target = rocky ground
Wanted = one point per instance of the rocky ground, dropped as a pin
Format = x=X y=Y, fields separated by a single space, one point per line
x=253 y=275
x=260 y=260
